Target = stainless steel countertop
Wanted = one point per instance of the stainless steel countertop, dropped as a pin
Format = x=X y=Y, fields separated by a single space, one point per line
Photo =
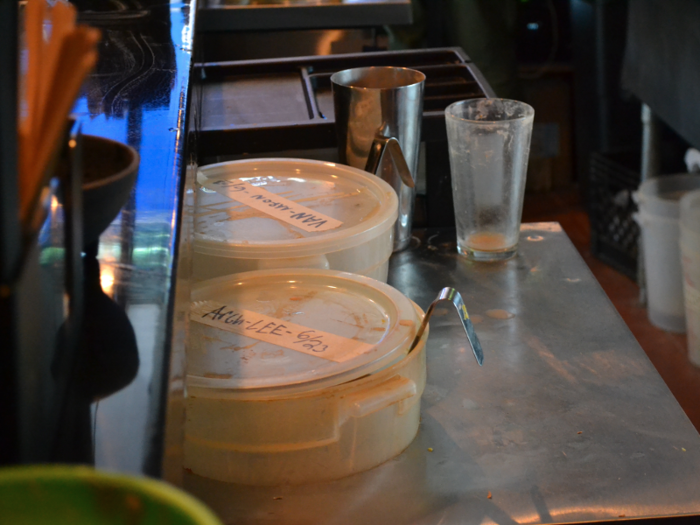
x=269 y=15
x=567 y=420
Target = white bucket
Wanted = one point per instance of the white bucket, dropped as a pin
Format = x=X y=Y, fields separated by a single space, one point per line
x=658 y=218
x=690 y=257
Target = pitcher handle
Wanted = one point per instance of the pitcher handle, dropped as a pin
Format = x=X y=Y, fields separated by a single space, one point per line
x=380 y=146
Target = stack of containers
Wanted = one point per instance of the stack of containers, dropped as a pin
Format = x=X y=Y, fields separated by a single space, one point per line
x=690 y=257
x=297 y=372
x=658 y=217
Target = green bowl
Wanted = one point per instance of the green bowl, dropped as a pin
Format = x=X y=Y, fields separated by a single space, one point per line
x=66 y=494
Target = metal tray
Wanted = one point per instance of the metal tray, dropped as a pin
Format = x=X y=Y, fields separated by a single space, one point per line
x=277 y=104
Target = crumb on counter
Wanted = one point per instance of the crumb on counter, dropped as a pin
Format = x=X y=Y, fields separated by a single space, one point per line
x=430 y=449
x=488 y=495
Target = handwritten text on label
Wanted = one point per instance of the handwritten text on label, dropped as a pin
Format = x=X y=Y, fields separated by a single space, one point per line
x=281 y=333
x=274 y=205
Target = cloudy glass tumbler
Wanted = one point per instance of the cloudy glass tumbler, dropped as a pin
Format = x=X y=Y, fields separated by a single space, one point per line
x=489 y=142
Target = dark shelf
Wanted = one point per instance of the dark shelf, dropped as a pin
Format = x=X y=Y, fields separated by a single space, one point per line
x=271 y=105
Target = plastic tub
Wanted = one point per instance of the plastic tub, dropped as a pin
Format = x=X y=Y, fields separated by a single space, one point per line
x=690 y=258
x=258 y=413
x=658 y=217
x=72 y=495
x=231 y=237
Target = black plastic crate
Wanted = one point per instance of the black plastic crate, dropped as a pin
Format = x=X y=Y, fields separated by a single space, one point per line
x=614 y=233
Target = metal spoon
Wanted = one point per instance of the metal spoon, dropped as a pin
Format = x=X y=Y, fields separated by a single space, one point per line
x=452 y=295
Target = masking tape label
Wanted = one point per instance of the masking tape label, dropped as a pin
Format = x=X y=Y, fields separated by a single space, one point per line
x=274 y=205
x=281 y=333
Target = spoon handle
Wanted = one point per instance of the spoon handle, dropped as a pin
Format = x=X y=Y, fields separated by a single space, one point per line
x=452 y=295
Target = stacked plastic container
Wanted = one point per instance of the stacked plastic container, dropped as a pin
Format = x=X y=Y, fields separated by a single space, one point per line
x=297 y=372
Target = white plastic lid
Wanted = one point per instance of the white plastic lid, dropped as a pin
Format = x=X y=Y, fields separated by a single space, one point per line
x=366 y=205
x=354 y=307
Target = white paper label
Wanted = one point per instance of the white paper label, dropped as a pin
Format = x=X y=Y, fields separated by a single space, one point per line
x=274 y=205
x=281 y=333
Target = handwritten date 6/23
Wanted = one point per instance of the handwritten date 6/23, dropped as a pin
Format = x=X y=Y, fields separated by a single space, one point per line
x=309 y=339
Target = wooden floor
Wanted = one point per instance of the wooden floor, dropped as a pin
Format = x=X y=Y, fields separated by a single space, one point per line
x=665 y=350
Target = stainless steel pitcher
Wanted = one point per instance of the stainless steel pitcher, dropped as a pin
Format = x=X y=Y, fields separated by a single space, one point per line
x=378 y=117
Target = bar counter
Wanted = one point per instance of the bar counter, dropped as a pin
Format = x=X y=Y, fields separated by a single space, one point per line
x=566 y=422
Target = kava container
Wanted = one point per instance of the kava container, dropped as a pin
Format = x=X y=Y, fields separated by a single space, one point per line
x=300 y=375
x=292 y=213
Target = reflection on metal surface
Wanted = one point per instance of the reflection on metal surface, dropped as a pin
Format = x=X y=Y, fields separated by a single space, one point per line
x=499 y=314
x=107 y=279
x=138 y=95
x=541 y=227
x=109 y=357
x=175 y=409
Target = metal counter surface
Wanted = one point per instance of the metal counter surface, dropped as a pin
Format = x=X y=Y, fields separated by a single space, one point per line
x=567 y=421
x=268 y=15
